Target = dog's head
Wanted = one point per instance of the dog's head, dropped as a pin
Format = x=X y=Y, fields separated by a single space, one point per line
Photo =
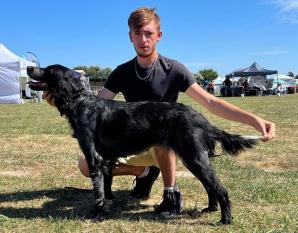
x=64 y=83
x=54 y=77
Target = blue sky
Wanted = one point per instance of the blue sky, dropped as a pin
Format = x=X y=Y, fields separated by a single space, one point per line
x=222 y=35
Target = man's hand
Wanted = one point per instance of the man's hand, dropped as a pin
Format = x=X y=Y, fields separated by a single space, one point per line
x=266 y=128
x=49 y=97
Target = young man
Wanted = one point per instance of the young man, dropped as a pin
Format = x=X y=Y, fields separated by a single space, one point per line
x=151 y=76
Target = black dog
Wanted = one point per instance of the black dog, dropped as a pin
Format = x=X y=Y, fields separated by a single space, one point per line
x=108 y=129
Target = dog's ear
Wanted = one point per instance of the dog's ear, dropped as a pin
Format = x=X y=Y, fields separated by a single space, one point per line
x=67 y=89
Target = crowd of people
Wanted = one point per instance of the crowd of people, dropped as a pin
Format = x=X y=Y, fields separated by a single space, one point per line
x=244 y=87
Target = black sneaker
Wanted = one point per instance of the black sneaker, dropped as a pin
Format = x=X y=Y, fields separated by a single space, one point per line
x=143 y=185
x=171 y=204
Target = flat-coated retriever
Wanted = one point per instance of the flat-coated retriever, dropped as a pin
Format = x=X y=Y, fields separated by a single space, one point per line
x=107 y=129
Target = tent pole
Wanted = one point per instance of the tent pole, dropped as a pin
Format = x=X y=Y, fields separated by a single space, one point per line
x=21 y=99
x=293 y=80
x=20 y=85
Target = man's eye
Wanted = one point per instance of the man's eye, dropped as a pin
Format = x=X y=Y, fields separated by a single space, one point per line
x=148 y=34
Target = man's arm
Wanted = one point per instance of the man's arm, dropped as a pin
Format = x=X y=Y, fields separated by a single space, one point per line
x=231 y=112
x=106 y=94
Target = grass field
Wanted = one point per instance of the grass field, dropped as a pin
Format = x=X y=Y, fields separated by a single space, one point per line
x=41 y=189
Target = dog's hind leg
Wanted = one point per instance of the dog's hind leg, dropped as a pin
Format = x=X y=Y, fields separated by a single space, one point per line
x=199 y=165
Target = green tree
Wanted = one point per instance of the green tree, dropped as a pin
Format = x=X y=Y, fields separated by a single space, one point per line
x=208 y=74
x=104 y=73
x=198 y=77
x=85 y=68
x=95 y=72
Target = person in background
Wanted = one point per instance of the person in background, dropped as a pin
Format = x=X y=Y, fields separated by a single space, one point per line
x=205 y=84
x=211 y=86
x=227 y=86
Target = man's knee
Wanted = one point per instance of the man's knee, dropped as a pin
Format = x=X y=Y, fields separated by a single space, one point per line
x=83 y=166
x=163 y=152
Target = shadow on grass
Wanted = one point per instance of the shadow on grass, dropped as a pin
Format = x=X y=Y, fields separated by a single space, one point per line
x=75 y=203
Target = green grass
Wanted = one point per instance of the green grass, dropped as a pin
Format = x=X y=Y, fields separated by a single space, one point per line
x=43 y=191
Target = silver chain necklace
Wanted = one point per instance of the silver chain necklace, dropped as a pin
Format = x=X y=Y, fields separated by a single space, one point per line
x=150 y=72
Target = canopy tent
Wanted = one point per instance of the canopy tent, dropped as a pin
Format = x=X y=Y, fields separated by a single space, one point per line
x=256 y=73
x=11 y=67
x=254 y=70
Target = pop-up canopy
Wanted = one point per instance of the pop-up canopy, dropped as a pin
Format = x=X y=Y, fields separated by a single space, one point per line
x=254 y=70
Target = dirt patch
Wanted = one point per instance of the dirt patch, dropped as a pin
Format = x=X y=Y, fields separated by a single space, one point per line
x=184 y=174
x=49 y=143
x=274 y=163
x=14 y=173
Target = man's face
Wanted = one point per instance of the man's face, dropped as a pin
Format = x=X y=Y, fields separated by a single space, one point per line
x=145 y=39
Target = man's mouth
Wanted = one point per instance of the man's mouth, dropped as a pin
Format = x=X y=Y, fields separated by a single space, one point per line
x=144 y=47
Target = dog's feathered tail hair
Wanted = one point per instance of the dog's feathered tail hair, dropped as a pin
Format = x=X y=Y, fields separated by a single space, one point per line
x=233 y=144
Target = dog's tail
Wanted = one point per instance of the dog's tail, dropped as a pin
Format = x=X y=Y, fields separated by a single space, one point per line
x=233 y=144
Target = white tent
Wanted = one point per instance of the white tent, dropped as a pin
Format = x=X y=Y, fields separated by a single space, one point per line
x=11 y=67
x=218 y=84
x=281 y=77
x=284 y=80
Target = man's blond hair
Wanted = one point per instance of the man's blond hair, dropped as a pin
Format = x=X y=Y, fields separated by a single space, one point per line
x=142 y=16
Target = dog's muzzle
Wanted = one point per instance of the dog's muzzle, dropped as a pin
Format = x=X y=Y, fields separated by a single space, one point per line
x=35 y=73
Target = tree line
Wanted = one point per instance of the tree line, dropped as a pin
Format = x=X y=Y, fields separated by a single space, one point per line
x=98 y=73
x=95 y=72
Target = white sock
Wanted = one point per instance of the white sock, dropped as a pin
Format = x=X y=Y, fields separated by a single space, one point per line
x=171 y=188
x=145 y=173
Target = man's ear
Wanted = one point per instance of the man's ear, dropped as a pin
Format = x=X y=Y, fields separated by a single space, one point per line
x=159 y=35
x=130 y=36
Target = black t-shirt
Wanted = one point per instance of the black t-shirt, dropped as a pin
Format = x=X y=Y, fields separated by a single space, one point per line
x=161 y=82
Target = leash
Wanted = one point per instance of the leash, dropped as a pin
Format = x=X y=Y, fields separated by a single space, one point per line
x=255 y=137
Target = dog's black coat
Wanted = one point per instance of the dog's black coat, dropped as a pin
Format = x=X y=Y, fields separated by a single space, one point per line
x=108 y=129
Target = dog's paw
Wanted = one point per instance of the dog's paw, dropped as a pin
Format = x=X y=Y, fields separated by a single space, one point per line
x=224 y=222
x=209 y=209
x=108 y=203
x=99 y=214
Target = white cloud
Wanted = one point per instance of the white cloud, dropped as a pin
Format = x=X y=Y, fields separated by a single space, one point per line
x=272 y=52
x=287 y=5
x=197 y=64
x=287 y=9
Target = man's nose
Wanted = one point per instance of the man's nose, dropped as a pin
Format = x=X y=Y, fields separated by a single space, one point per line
x=143 y=37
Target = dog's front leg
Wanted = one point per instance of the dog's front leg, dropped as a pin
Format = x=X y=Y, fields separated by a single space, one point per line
x=97 y=179
x=95 y=163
